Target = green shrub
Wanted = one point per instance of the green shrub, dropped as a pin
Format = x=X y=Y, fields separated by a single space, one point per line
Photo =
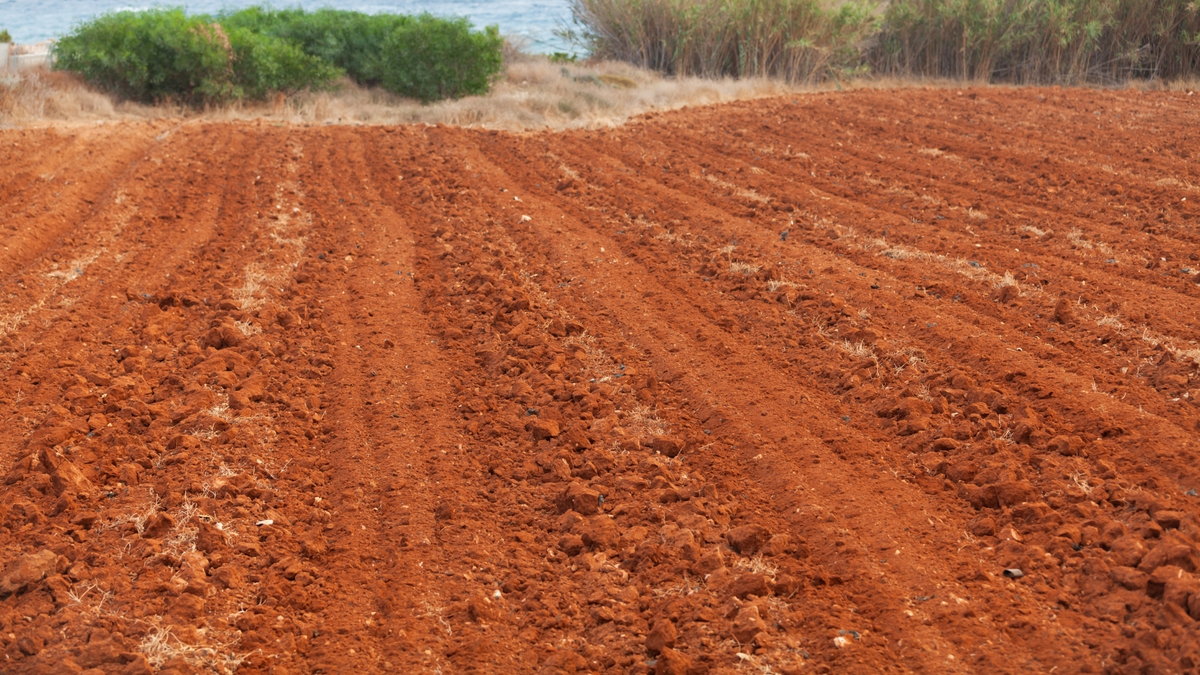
x=152 y=55
x=264 y=64
x=430 y=58
x=352 y=41
x=424 y=57
x=165 y=54
x=5 y=38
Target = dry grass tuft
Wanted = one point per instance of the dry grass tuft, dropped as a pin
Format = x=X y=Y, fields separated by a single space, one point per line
x=643 y=422
x=38 y=95
x=757 y=565
x=160 y=646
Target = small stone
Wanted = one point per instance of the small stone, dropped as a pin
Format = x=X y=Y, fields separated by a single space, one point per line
x=159 y=526
x=748 y=624
x=100 y=652
x=128 y=473
x=230 y=576
x=444 y=511
x=560 y=471
x=663 y=635
x=27 y=569
x=1013 y=492
x=253 y=387
x=576 y=439
x=1064 y=312
x=209 y=538
x=601 y=532
x=671 y=662
x=571 y=544
x=785 y=585
x=579 y=498
x=542 y=429
x=130 y=351
x=1130 y=578
x=944 y=445
x=749 y=584
x=481 y=609
x=747 y=539
x=29 y=645
x=666 y=445
x=779 y=544
x=1169 y=520
x=186 y=608
x=1068 y=446
x=64 y=475
x=97 y=421
x=709 y=562
x=982 y=526
x=1160 y=577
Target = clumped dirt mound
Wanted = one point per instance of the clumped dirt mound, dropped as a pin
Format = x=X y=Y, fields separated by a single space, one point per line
x=836 y=383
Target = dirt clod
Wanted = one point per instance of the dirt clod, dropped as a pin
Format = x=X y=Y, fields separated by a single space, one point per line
x=576 y=497
x=25 y=570
x=747 y=624
x=748 y=539
x=671 y=662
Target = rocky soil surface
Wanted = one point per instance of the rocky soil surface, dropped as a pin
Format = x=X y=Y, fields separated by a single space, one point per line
x=878 y=381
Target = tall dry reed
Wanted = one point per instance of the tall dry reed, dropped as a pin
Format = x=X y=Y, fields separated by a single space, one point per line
x=1017 y=41
x=792 y=40
x=1039 y=41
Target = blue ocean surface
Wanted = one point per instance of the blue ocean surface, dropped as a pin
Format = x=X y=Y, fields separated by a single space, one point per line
x=535 y=20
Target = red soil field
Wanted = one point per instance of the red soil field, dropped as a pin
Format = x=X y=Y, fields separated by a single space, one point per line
x=779 y=386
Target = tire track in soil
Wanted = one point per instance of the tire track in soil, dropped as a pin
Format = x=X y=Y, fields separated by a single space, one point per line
x=426 y=399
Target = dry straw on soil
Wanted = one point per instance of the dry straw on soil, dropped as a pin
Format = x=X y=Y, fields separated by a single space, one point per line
x=532 y=93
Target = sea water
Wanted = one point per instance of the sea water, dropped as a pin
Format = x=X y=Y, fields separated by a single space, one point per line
x=533 y=20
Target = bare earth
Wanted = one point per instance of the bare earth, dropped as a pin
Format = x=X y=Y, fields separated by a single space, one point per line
x=779 y=386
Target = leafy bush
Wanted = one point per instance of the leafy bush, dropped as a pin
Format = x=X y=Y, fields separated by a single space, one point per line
x=152 y=55
x=5 y=38
x=264 y=64
x=424 y=57
x=352 y=41
x=430 y=58
x=163 y=53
